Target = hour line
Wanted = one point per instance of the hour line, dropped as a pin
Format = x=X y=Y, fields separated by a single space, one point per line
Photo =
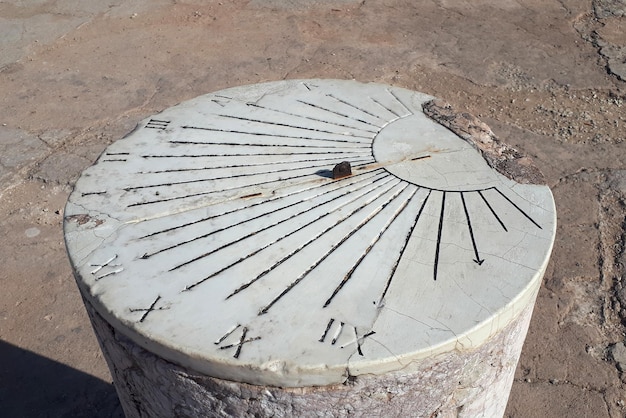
x=406 y=242
x=382 y=230
x=518 y=208
x=443 y=206
x=492 y=211
x=477 y=260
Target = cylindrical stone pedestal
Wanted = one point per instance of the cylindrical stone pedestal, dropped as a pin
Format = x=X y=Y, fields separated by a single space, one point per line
x=472 y=383
x=311 y=248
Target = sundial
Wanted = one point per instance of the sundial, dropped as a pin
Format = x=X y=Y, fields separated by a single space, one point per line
x=216 y=235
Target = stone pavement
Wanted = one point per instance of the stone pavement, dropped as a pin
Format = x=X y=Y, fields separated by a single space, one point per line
x=547 y=76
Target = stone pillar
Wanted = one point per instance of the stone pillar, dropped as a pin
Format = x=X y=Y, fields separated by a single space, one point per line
x=464 y=383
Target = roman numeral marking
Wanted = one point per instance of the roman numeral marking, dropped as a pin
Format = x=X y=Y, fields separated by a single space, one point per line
x=157 y=124
x=358 y=340
x=149 y=310
x=237 y=345
x=309 y=86
x=335 y=335
x=110 y=268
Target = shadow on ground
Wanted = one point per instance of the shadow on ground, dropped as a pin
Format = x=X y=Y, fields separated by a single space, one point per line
x=35 y=386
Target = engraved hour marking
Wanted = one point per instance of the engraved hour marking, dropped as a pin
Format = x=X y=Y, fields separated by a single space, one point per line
x=317 y=192
x=107 y=263
x=321 y=233
x=358 y=108
x=147 y=311
x=230 y=176
x=309 y=86
x=294 y=126
x=518 y=208
x=222 y=103
x=119 y=270
x=492 y=211
x=477 y=260
x=273 y=135
x=436 y=263
x=358 y=340
x=328 y=160
x=406 y=242
x=343 y=115
x=228 y=333
x=330 y=324
x=285 y=150
x=376 y=239
x=247 y=186
x=409 y=111
x=346 y=190
x=333 y=248
x=157 y=124
x=115 y=156
x=258 y=250
x=337 y=333
x=342 y=125
x=396 y=114
x=242 y=340
x=100 y=266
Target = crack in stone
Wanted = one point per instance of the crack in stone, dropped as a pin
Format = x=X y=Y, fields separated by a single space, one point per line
x=446 y=329
x=102 y=238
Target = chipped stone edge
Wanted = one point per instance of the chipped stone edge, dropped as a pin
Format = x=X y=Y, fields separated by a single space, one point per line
x=503 y=158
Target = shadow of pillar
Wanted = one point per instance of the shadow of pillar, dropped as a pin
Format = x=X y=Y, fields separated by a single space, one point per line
x=35 y=386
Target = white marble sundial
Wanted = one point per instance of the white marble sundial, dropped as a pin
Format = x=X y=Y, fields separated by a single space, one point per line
x=215 y=235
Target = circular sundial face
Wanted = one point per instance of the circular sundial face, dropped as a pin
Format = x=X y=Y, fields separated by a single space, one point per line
x=215 y=236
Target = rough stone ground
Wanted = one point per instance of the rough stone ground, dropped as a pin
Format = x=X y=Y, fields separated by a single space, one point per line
x=548 y=76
